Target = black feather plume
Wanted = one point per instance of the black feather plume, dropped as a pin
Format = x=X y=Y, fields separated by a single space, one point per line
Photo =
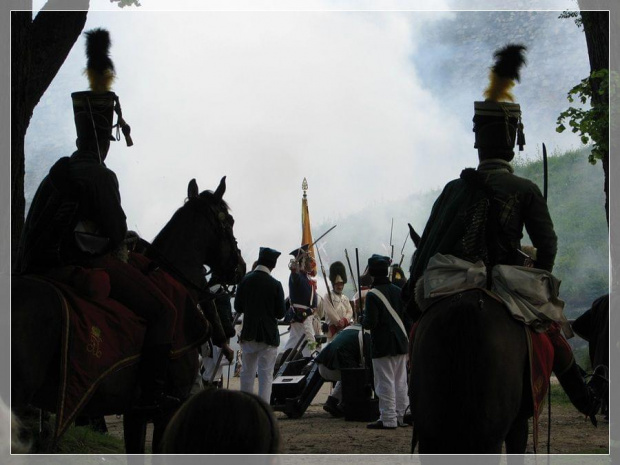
x=508 y=61
x=99 y=66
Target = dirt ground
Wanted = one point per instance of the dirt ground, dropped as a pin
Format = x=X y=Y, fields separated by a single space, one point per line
x=316 y=432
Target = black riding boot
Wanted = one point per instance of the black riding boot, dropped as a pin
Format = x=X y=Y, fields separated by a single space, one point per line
x=153 y=374
x=580 y=394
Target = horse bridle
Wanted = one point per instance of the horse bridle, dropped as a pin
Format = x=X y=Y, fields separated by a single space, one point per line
x=224 y=232
x=203 y=287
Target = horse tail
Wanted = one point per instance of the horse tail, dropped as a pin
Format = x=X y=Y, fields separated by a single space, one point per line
x=465 y=334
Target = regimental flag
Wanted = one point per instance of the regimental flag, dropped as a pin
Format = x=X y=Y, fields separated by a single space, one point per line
x=306 y=231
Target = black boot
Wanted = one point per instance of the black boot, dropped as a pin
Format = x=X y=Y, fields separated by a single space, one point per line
x=599 y=383
x=580 y=394
x=332 y=407
x=153 y=373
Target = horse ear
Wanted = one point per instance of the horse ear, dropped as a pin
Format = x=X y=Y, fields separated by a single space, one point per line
x=219 y=192
x=192 y=189
x=414 y=236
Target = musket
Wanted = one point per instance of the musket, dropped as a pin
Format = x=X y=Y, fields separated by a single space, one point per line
x=402 y=255
x=545 y=172
x=391 y=245
x=318 y=254
x=359 y=298
x=346 y=254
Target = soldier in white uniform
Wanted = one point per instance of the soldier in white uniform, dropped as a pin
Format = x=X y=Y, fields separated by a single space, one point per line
x=334 y=305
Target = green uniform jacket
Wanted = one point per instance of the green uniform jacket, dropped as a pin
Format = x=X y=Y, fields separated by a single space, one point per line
x=387 y=337
x=82 y=181
x=517 y=203
x=260 y=298
x=344 y=350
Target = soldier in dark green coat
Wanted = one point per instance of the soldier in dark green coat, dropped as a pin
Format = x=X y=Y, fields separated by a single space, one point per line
x=481 y=216
x=260 y=298
x=383 y=312
x=342 y=352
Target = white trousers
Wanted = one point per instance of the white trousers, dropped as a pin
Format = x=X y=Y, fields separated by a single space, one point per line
x=332 y=375
x=297 y=331
x=391 y=387
x=260 y=358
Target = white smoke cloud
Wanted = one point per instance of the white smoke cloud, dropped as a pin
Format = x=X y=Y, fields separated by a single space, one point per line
x=266 y=98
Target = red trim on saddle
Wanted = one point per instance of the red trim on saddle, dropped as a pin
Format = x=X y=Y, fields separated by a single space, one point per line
x=540 y=355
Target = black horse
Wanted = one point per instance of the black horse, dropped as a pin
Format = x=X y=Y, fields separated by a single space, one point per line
x=593 y=326
x=199 y=233
x=468 y=385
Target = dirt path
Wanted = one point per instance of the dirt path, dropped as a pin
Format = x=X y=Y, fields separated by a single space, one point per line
x=316 y=432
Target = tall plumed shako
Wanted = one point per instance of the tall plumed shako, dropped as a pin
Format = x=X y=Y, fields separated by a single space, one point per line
x=337 y=273
x=504 y=73
x=497 y=121
x=99 y=66
x=94 y=109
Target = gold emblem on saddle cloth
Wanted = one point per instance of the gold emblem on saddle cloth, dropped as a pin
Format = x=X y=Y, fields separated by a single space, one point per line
x=94 y=345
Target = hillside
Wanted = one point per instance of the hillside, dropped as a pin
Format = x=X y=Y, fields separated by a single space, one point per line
x=576 y=202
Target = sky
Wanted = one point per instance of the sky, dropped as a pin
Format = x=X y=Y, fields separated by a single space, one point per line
x=369 y=105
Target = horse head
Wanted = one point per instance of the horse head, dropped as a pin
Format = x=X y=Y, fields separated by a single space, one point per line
x=200 y=233
x=222 y=253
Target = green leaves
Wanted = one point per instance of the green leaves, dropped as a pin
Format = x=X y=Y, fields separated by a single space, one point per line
x=591 y=124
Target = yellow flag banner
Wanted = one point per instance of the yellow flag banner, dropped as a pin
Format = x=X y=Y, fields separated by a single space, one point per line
x=306 y=231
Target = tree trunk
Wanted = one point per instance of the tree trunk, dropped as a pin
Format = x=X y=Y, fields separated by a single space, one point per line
x=38 y=50
x=596 y=28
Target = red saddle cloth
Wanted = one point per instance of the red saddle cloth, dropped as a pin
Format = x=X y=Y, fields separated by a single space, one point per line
x=101 y=336
x=541 y=355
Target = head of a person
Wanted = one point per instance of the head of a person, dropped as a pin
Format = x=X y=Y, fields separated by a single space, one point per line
x=338 y=276
x=378 y=266
x=497 y=128
x=497 y=119
x=302 y=260
x=267 y=257
x=222 y=421
x=94 y=109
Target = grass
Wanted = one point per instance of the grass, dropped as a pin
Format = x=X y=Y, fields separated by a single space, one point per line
x=76 y=440
x=83 y=440
x=558 y=396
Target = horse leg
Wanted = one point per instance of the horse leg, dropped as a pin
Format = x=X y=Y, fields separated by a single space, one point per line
x=134 y=433
x=159 y=426
x=516 y=439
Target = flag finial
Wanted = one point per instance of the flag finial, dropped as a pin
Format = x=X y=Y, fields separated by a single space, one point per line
x=304 y=186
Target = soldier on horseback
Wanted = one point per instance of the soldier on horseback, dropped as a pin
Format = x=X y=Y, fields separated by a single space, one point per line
x=479 y=219
x=76 y=220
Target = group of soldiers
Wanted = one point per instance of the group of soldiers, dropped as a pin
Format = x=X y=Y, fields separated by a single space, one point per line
x=476 y=225
x=76 y=219
x=261 y=302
